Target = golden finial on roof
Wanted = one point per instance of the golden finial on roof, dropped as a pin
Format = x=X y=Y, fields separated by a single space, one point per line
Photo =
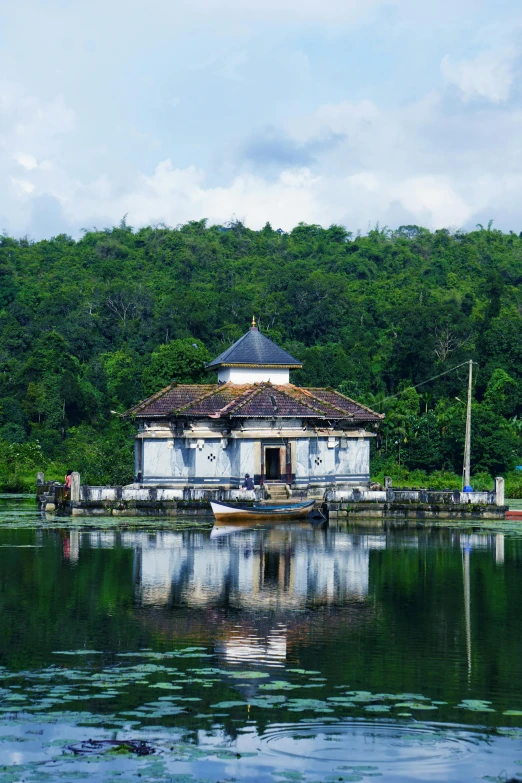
x=253 y=322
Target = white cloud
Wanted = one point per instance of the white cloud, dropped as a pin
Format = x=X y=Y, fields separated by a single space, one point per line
x=328 y=157
x=388 y=166
x=26 y=161
x=22 y=186
x=423 y=163
x=173 y=196
x=489 y=75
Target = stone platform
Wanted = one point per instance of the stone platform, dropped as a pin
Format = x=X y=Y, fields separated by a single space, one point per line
x=337 y=504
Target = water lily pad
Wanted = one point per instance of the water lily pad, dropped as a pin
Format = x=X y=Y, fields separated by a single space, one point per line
x=342 y=701
x=513 y=713
x=475 y=705
x=361 y=696
x=264 y=703
x=225 y=705
x=297 y=705
x=167 y=686
x=278 y=685
x=250 y=675
x=77 y=652
x=413 y=705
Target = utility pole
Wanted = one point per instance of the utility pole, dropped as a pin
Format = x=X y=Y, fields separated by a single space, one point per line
x=467 y=442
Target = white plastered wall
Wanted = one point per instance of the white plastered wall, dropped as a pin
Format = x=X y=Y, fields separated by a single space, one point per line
x=240 y=375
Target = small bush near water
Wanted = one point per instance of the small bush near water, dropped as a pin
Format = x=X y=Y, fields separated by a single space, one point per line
x=444 y=479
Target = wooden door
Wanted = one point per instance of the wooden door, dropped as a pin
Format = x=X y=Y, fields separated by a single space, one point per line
x=288 y=459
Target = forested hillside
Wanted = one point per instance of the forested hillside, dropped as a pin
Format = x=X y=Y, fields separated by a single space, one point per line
x=91 y=326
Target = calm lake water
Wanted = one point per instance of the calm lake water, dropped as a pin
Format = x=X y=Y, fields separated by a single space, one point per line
x=290 y=653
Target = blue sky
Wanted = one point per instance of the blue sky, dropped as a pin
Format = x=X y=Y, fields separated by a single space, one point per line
x=322 y=111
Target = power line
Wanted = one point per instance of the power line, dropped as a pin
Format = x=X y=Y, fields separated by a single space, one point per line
x=394 y=396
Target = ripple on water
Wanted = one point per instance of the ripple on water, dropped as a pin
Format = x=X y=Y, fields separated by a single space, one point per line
x=377 y=743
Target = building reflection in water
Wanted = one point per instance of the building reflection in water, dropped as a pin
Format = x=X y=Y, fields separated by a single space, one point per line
x=251 y=569
x=254 y=591
x=283 y=567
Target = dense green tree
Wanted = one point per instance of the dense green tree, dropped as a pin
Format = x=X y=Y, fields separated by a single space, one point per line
x=123 y=378
x=502 y=393
x=182 y=361
x=95 y=324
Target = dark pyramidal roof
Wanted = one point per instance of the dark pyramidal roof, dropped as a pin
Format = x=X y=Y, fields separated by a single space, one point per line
x=254 y=350
x=252 y=400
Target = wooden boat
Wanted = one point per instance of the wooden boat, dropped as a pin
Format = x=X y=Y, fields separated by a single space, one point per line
x=233 y=512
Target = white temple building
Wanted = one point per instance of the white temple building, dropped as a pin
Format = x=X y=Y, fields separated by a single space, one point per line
x=255 y=421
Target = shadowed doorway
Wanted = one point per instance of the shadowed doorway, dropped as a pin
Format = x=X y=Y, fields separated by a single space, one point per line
x=272 y=464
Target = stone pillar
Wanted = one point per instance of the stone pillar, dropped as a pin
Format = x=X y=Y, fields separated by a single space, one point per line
x=387 y=482
x=499 y=548
x=75 y=487
x=138 y=460
x=74 y=551
x=499 y=491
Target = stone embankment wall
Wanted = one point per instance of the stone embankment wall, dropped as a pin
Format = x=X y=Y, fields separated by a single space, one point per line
x=83 y=500
x=417 y=503
x=338 y=503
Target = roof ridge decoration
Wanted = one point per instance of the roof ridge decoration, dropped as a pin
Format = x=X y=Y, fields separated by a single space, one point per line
x=266 y=386
x=248 y=396
x=215 y=388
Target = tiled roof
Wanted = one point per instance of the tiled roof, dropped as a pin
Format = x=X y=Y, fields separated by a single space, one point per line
x=171 y=398
x=253 y=400
x=254 y=349
x=338 y=400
